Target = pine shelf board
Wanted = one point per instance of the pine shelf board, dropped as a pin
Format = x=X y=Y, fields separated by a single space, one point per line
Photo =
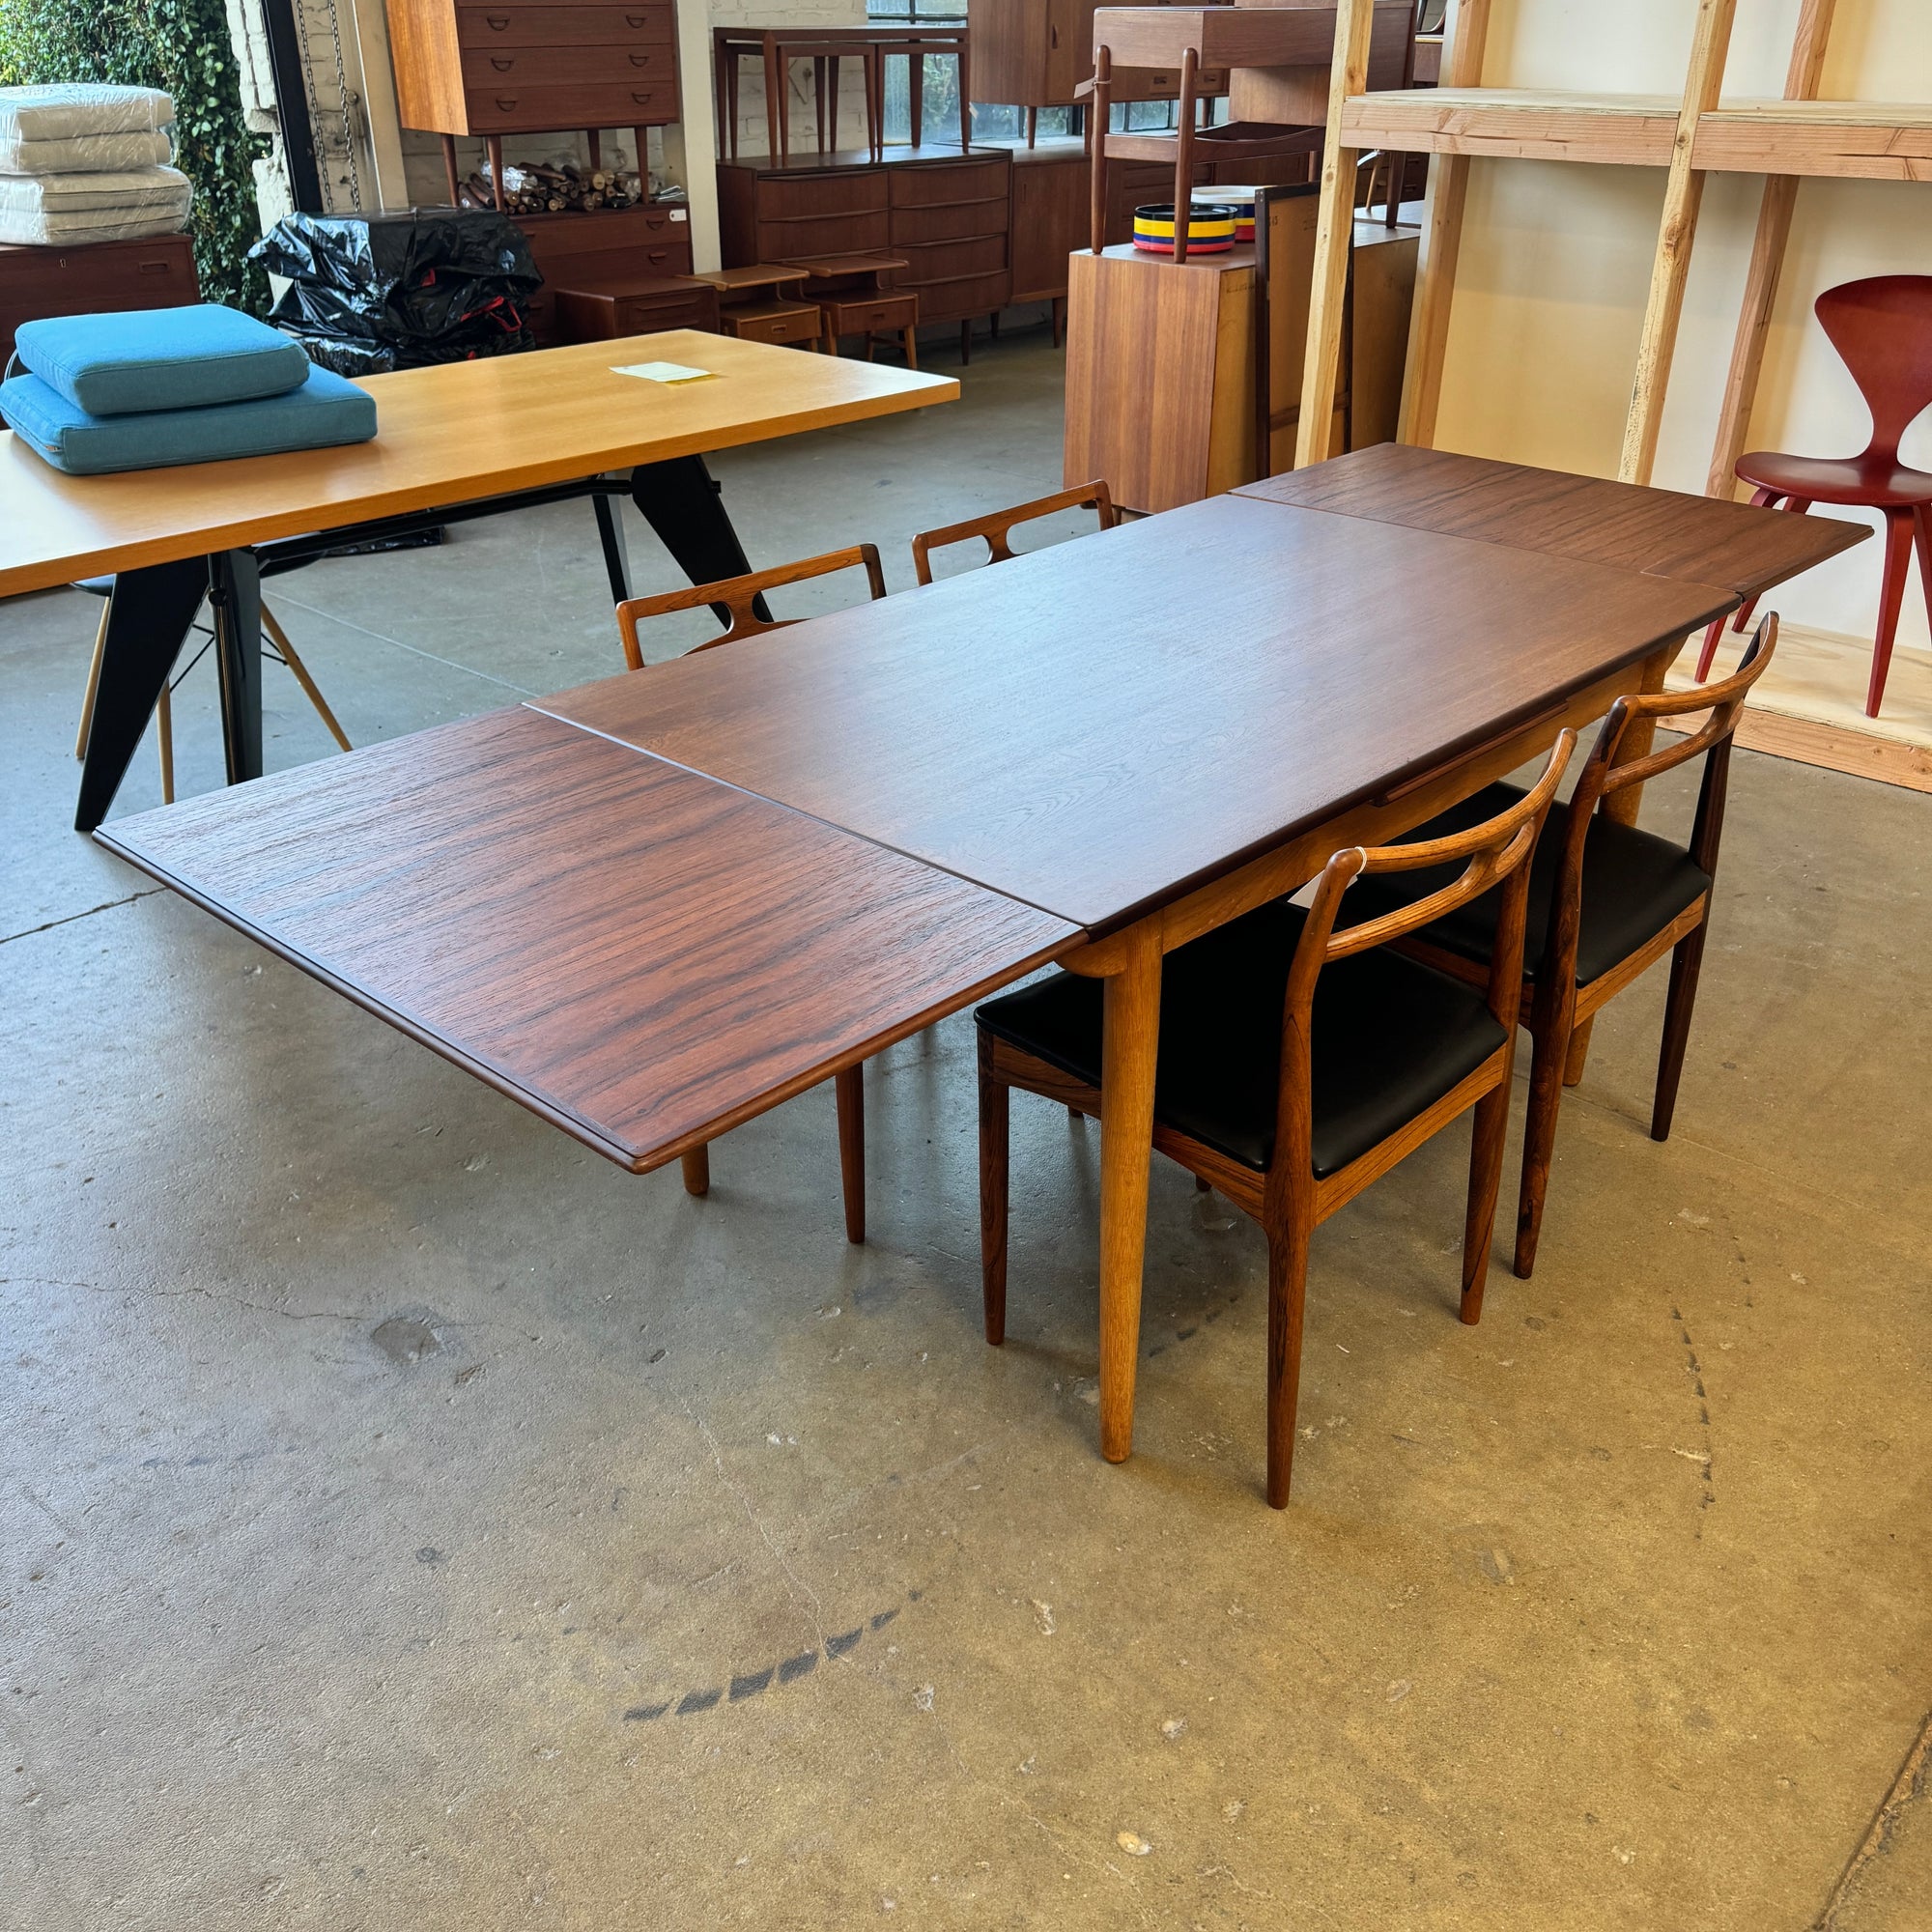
x=1515 y=124
x=1852 y=140
x=1859 y=140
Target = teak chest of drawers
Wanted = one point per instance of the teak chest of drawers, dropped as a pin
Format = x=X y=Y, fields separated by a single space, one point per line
x=948 y=213
x=531 y=67
x=652 y=239
x=158 y=272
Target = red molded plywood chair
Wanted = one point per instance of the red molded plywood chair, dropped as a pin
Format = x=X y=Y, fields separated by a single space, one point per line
x=1882 y=330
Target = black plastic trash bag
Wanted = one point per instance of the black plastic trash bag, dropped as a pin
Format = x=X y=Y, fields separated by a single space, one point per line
x=371 y=293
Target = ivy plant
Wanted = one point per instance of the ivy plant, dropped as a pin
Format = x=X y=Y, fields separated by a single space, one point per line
x=183 y=48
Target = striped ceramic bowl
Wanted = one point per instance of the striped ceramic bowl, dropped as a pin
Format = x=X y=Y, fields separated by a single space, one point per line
x=1210 y=229
x=1240 y=200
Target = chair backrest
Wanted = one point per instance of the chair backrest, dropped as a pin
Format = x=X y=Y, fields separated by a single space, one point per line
x=998 y=526
x=1882 y=328
x=741 y=595
x=1497 y=852
x=1611 y=768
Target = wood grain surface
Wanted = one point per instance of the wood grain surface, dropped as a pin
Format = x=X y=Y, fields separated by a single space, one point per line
x=643 y=957
x=1661 y=532
x=1095 y=727
x=446 y=435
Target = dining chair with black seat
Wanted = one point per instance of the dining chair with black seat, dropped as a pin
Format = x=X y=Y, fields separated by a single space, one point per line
x=997 y=526
x=1607 y=901
x=1298 y=1061
x=741 y=600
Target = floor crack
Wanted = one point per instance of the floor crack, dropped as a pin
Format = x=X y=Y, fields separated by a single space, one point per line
x=106 y=905
x=1907 y=1788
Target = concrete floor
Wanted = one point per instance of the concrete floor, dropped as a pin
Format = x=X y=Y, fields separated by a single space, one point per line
x=409 y=1520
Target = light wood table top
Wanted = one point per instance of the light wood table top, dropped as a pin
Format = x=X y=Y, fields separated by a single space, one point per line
x=1098 y=726
x=1661 y=532
x=452 y=434
x=640 y=955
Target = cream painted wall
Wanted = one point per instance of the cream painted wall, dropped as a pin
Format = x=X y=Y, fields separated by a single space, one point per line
x=1556 y=259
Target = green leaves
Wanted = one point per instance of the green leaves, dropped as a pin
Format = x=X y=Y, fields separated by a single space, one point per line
x=183 y=46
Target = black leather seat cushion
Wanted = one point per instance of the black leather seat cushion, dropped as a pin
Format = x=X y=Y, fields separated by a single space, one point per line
x=1634 y=884
x=1390 y=1038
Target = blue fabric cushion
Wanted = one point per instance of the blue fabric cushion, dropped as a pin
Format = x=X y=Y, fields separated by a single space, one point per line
x=161 y=358
x=328 y=409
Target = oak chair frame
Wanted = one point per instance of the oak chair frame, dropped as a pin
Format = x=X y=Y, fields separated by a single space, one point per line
x=996 y=528
x=1553 y=1008
x=1287 y=1199
x=742 y=597
x=164 y=715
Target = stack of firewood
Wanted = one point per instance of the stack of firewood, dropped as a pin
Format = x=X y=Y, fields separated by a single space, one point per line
x=562 y=187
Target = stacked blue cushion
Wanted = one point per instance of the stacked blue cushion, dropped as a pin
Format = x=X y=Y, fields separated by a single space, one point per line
x=165 y=387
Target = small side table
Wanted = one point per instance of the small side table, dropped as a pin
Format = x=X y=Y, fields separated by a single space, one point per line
x=854 y=298
x=766 y=302
x=602 y=311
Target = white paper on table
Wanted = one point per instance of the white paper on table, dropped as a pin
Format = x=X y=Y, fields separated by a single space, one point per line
x=663 y=372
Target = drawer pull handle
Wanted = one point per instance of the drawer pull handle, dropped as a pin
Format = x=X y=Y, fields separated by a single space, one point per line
x=643 y=97
x=506 y=106
x=503 y=66
x=641 y=60
x=637 y=19
x=150 y=268
x=658 y=254
x=497 y=22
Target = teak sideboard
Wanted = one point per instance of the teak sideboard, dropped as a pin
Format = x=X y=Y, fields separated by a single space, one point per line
x=948 y=213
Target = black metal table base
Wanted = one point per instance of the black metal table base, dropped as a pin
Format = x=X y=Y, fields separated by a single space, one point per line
x=152 y=609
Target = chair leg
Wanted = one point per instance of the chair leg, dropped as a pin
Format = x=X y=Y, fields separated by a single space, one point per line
x=1539 y=1138
x=164 y=743
x=911 y=339
x=697 y=1171
x=1686 y=958
x=92 y=684
x=1287 y=1285
x=280 y=638
x=993 y=1144
x=1922 y=530
x=1486 y=1172
x=1579 y=1055
x=1899 y=526
x=849 y=1091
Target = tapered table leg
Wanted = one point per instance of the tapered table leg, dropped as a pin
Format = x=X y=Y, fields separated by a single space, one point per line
x=235 y=597
x=1130 y=1043
x=148 y=619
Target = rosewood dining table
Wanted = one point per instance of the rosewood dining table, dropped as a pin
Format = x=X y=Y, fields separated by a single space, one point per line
x=654 y=905
x=454 y=441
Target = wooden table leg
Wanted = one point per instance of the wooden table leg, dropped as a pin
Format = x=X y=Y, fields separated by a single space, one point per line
x=832 y=123
x=494 y=144
x=966 y=103
x=731 y=63
x=1129 y=1043
x=772 y=146
x=449 y=171
x=784 y=102
x=819 y=96
x=916 y=90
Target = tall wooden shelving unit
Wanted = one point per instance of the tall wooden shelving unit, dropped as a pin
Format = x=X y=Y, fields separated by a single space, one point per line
x=1786 y=140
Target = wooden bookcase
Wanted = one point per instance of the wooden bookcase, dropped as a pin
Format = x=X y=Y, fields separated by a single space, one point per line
x=1698 y=133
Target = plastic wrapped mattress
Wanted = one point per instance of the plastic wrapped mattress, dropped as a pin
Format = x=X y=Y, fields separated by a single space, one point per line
x=86 y=154
x=65 y=112
x=45 y=210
